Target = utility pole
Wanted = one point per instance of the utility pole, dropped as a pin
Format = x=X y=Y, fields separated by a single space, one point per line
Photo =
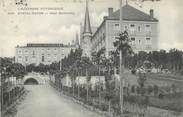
x=87 y=77
x=121 y=60
x=121 y=56
x=99 y=86
x=2 y=91
x=60 y=64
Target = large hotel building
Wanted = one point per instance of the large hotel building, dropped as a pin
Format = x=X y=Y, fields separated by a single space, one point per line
x=142 y=29
x=44 y=53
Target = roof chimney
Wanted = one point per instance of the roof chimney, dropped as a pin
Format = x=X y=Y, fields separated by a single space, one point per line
x=151 y=13
x=110 y=12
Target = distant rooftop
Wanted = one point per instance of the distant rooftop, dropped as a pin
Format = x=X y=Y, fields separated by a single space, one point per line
x=46 y=45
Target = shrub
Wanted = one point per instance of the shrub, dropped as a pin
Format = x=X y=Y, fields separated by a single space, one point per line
x=133 y=71
x=104 y=107
x=150 y=89
x=133 y=89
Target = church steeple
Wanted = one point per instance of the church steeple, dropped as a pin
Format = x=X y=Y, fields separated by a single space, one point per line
x=86 y=34
x=77 y=40
x=87 y=26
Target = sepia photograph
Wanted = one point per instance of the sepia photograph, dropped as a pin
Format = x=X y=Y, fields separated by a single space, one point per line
x=91 y=58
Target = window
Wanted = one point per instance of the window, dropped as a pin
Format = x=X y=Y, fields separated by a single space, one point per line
x=147 y=25
x=33 y=53
x=126 y=28
x=148 y=28
x=116 y=26
x=139 y=42
x=133 y=40
x=139 y=29
x=19 y=58
x=132 y=25
x=148 y=41
x=26 y=58
x=132 y=29
x=42 y=58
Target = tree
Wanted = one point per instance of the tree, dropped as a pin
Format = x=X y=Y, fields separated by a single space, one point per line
x=71 y=65
x=85 y=65
x=172 y=60
x=73 y=74
x=122 y=45
x=141 y=80
x=30 y=67
x=17 y=70
x=115 y=60
x=97 y=58
x=55 y=66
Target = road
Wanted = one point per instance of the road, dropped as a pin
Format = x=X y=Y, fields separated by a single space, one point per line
x=44 y=101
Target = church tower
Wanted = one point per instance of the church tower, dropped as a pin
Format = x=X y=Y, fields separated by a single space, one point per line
x=87 y=34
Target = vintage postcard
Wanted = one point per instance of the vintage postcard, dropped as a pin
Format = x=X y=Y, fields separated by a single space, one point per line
x=91 y=58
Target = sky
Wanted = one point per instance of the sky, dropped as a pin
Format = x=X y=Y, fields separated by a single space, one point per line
x=22 y=29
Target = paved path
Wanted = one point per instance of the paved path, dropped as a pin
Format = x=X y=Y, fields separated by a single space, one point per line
x=44 y=101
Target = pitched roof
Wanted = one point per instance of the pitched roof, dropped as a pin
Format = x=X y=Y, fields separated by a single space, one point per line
x=87 y=26
x=132 y=14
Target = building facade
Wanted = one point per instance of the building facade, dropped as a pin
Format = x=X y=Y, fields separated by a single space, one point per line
x=142 y=29
x=42 y=53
